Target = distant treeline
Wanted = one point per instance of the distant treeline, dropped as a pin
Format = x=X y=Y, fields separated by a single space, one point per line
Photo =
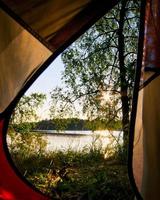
x=62 y=124
x=67 y=124
x=76 y=124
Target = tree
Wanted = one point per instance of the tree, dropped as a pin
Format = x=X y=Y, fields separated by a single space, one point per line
x=21 y=140
x=99 y=68
x=26 y=109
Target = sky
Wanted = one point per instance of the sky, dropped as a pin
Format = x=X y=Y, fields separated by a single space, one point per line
x=45 y=83
x=49 y=79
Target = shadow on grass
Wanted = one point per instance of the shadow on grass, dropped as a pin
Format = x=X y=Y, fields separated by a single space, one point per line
x=74 y=175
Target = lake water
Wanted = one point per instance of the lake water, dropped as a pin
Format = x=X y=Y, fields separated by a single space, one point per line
x=80 y=140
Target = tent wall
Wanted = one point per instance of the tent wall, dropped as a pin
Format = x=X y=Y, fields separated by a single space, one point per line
x=151 y=124
x=41 y=15
x=138 y=144
x=55 y=22
x=145 y=160
x=20 y=55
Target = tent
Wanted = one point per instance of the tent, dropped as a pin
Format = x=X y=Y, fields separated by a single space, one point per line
x=32 y=35
x=145 y=117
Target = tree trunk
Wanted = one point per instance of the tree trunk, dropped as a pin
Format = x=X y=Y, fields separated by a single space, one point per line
x=123 y=81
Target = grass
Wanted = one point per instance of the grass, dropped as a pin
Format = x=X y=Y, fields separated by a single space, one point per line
x=76 y=175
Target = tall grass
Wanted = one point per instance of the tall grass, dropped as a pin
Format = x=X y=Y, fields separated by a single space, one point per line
x=74 y=175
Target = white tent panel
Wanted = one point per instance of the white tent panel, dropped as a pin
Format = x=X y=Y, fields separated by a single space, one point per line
x=20 y=55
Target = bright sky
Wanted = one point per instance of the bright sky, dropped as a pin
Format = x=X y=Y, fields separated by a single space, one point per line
x=48 y=80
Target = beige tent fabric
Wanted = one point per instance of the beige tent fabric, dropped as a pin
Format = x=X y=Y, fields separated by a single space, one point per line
x=151 y=126
x=146 y=163
x=57 y=22
x=49 y=16
x=20 y=55
x=138 y=144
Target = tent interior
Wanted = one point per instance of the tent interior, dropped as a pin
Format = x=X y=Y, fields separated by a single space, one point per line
x=33 y=34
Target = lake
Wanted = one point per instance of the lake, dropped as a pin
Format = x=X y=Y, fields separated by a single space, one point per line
x=80 y=140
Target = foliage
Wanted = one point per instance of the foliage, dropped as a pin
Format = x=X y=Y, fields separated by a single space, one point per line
x=25 y=144
x=63 y=124
x=24 y=127
x=102 y=124
x=77 y=175
x=22 y=142
x=69 y=174
x=99 y=70
x=74 y=124
x=92 y=70
x=25 y=111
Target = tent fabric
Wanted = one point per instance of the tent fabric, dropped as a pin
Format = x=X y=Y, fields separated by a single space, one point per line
x=41 y=15
x=151 y=124
x=20 y=55
x=54 y=22
x=152 y=36
x=138 y=144
x=146 y=164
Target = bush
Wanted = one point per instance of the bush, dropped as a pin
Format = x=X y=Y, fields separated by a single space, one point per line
x=25 y=144
x=71 y=175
